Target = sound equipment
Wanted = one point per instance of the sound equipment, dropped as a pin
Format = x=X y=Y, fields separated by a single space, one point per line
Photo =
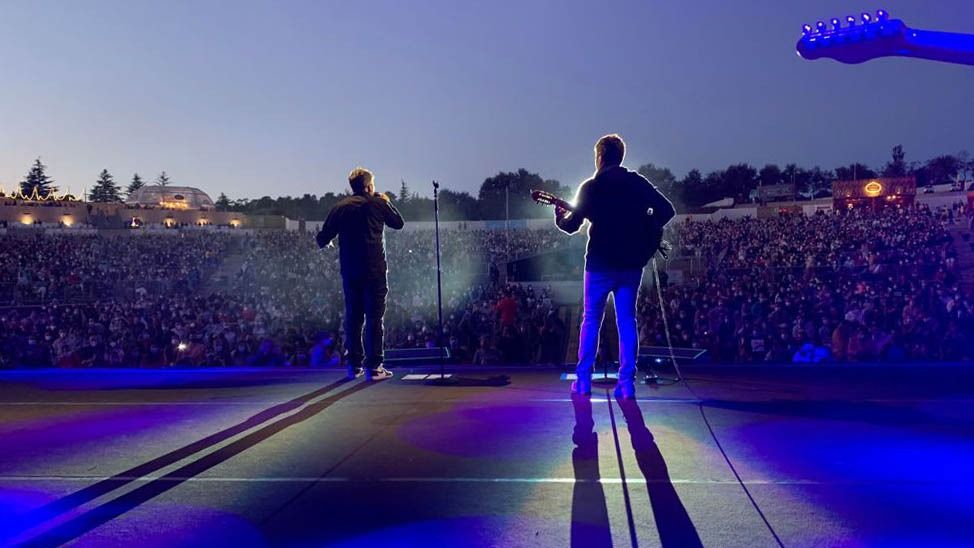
x=870 y=37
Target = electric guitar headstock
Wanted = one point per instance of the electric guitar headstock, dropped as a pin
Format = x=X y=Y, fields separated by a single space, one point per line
x=546 y=198
x=855 y=41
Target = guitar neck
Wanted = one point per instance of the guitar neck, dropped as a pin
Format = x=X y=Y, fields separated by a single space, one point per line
x=564 y=205
x=949 y=47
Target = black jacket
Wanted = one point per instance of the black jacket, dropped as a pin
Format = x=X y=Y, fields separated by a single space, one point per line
x=358 y=221
x=621 y=234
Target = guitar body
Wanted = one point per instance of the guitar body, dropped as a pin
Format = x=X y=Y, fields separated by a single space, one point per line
x=653 y=232
x=875 y=37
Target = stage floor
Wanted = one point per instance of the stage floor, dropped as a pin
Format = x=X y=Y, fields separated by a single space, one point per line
x=830 y=456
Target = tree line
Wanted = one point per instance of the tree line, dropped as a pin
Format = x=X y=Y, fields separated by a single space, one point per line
x=507 y=194
x=739 y=180
x=502 y=196
x=104 y=190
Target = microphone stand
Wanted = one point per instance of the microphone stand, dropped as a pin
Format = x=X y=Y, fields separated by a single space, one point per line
x=443 y=380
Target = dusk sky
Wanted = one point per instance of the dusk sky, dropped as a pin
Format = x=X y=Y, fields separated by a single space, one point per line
x=276 y=98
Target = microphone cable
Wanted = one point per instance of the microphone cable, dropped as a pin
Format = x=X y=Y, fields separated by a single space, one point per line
x=703 y=414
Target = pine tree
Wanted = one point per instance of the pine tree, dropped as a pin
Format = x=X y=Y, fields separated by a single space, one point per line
x=403 y=192
x=136 y=184
x=37 y=179
x=222 y=202
x=896 y=167
x=105 y=189
x=163 y=179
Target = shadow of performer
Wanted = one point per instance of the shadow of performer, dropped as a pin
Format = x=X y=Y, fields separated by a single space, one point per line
x=590 y=517
x=107 y=511
x=672 y=521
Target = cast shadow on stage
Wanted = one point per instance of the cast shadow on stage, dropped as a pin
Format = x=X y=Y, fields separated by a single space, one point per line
x=111 y=509
x=590 y=517
x=672 y=521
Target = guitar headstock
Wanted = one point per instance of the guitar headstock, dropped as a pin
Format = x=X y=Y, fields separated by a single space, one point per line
x=855 y=40
x=546 y=198
x=543 y=197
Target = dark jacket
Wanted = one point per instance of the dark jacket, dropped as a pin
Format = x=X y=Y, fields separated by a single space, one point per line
x=620 y=234
x=358 y=221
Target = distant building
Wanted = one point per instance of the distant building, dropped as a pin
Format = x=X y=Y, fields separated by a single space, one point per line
x=874 y=193
x=170 y=197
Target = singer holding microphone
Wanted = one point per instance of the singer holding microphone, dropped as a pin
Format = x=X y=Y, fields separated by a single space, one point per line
x=626 y=215
x=359 y=222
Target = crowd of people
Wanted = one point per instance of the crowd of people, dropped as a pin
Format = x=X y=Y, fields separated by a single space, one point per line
x=856 y=286
x=273 y=298
x=299 y=285
x=860 y=286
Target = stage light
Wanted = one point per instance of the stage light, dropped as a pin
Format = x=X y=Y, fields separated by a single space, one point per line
x=27 y=219
x=181 y=346
x=67 y=219
x=235 y=223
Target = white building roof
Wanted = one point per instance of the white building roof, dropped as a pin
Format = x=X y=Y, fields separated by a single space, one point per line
x=176 y=197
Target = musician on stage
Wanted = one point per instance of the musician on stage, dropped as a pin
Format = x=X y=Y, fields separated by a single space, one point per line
x=359 y=222
x=626 y=215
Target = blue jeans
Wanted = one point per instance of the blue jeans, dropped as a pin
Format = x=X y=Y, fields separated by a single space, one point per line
x=624 y=285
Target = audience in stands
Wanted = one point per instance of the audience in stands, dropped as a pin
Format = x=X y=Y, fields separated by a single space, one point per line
x=856 y=286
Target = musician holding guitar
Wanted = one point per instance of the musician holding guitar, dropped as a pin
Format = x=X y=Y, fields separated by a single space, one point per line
x=626 y=216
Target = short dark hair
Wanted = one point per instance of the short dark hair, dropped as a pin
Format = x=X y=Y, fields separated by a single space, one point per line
x=611 y=149
x=359 y=179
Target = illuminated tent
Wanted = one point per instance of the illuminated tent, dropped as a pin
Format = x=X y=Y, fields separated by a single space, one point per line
x=170 y=197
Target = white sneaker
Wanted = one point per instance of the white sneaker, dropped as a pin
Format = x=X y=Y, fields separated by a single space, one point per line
x=378 y=374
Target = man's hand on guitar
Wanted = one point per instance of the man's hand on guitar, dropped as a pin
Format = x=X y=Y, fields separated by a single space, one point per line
x=560 y=213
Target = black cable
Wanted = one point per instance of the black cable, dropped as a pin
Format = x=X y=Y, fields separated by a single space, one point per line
x=703 y=414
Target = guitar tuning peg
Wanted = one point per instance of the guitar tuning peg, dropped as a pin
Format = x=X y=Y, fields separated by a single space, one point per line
x=866 y=18
x=806 y=29
x=851 y=20
x=836 y=24
x=821 y=26
x=882 y=15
